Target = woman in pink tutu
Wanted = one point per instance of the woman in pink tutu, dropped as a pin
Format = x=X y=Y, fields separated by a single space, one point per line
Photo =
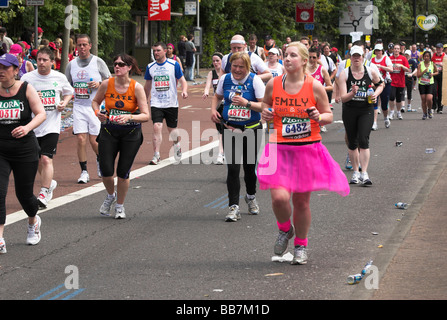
x=295 y=162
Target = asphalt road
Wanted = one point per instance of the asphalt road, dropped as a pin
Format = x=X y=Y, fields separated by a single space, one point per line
x=175 y=245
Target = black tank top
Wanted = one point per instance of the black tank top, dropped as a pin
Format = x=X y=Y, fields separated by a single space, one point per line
x=15 y=111
x=360 y=100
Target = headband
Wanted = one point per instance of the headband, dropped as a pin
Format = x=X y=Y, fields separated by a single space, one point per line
x=218 y=54
x=237 y=41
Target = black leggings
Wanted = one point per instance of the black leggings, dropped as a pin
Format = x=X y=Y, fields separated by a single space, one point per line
x=235 y=145
x=358 y=123
x=24 y=175
x=125 y=141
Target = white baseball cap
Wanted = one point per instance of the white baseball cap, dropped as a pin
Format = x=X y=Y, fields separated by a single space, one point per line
x=378 y=46
x=357 y=50
x=274 y=51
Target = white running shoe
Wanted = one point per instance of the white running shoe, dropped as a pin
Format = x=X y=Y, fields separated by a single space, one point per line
x=34 y=234
x=2 y=246
x=120 y=213
x=391 y=115
x=253 y=207
x=234 y=214
x=84 y=178
x=355 y=178
x=365 y=180
x=387 y=123
x=220 y=159
x=374 y=127
x=155 y=160
x=177 y=152
x=42 y=199
x=299 y=255
x=53 y=186
x=399 y=115
x=107 y=205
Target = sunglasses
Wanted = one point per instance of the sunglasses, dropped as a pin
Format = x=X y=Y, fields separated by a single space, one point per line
x=313 y=57
x=120 y=64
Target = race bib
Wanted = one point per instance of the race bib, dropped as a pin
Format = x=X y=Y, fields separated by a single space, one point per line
x=115 y=113
x=161 y=83
x=396 y=68
x=9 y=110
x=295 y=128
x=425 y=79
x=49 y=100
x=238 y=113
x=81 y=90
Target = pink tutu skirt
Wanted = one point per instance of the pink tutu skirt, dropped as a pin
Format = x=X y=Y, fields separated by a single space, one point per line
x=300 y=168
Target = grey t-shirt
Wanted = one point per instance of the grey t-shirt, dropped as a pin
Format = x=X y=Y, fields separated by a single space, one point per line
x=102 y=67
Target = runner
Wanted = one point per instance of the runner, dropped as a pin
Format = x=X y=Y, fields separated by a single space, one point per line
x=242 y=92
x=51 y=85
x=358 y=113
x=212 y=80
x=303 y=164
x=409 y=78
x=126 y=105
x=85 y=73
x=258 y=67
x=397 y=99
x=19 y=150
x=254 y=48
x=426 y=71
x=161 y=90
x=273 y=64
x=385 y=66
x=438 y=58
x=317 y=71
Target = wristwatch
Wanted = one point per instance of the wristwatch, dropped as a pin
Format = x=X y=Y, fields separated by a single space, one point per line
x=248 y=105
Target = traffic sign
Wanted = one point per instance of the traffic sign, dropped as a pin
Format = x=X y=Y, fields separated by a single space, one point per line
x=304 y=13
x=309 y=26
x=4 y=3
x=35 y=2
x=158 y=10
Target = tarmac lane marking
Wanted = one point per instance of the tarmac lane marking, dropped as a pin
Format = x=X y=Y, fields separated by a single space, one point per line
x=79 y=194
x=60 y=294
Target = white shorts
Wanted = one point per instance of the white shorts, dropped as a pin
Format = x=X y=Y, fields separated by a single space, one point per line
x=85 y=121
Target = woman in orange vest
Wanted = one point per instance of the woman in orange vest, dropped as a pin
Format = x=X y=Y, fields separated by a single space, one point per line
x=125 y=109
x=295 y=162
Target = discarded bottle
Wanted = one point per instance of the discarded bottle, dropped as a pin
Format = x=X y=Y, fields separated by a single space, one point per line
x=355 y=278
x=398 y=143
x=369 y=94
x=430 y=150
x=89 y=90
x=401 y=205
x=366 y=268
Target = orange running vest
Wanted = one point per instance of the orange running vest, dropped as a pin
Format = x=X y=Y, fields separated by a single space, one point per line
x=291 y=121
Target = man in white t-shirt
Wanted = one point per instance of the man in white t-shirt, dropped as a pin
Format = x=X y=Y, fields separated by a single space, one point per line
x=50 y=85
x=161 y=90
x=86 y=73
x=258 y=66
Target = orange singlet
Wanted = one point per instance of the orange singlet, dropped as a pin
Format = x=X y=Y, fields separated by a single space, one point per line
x=291 y=121
x=120 y=103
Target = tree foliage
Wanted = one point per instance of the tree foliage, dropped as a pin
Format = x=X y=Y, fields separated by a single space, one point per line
x=221 y=19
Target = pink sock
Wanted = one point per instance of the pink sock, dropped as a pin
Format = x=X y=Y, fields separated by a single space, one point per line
x=284 y=227
x=300 y=242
